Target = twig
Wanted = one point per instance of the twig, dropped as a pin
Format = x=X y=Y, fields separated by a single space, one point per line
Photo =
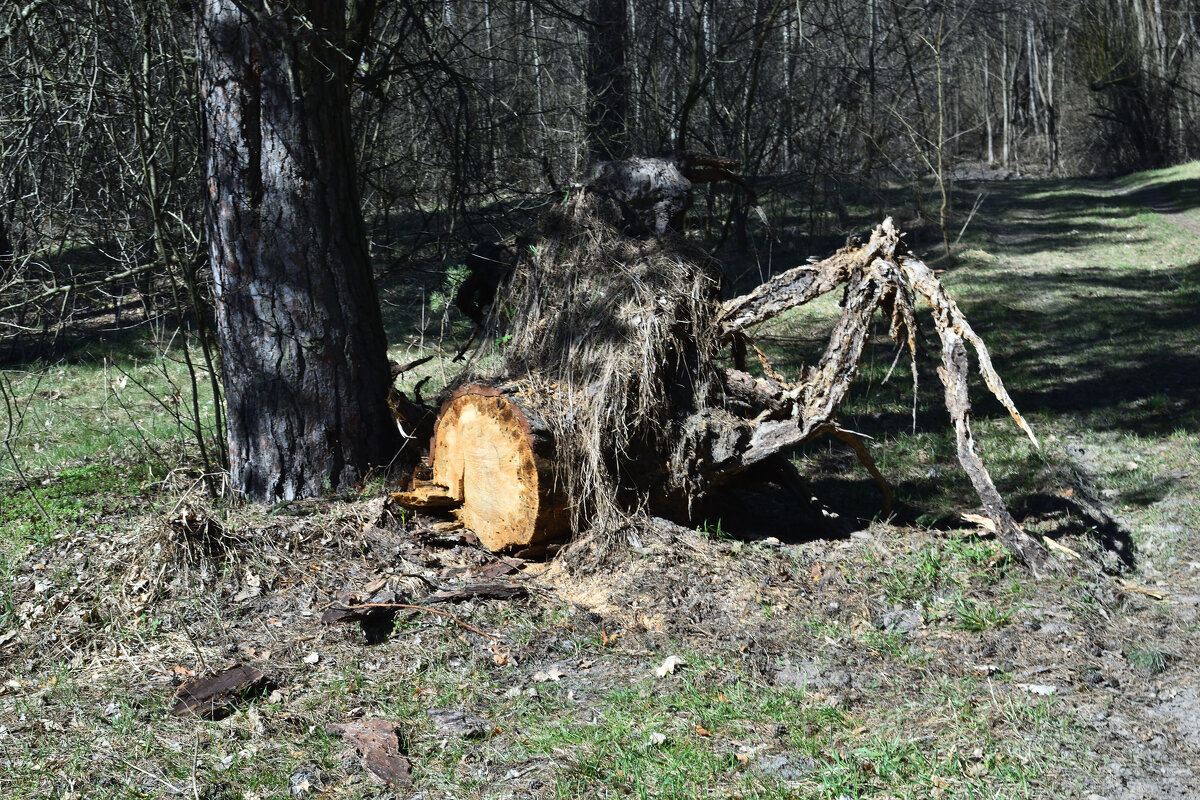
x=974 y=208
x=174 y=789
x=191 y=640
x=196 y=766
x=411 y=607
x=4 y=392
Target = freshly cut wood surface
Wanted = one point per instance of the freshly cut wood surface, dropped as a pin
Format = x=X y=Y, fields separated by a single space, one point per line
x=492 y=456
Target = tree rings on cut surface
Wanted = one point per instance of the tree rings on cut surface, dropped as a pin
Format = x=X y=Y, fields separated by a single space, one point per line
x=492 y=457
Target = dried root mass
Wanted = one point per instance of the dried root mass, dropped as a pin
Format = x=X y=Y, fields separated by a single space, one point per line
x=612 y=324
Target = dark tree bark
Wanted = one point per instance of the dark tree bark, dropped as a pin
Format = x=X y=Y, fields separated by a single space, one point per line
x=608 y=81
x=302 y=343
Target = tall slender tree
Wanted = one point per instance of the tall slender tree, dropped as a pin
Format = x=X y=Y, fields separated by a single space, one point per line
x=608 y=80
x=302 y=342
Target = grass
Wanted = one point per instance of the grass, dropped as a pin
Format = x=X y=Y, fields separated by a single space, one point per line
x=128 y=406
x=1151 y=660
x=77 y=496
x=1087 y=301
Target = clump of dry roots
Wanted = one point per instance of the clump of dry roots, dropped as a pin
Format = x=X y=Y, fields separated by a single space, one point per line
x=616 y=336
x=615 y=330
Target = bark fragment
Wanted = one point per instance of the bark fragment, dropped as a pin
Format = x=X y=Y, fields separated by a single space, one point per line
x=214 y=697
x=378 y=746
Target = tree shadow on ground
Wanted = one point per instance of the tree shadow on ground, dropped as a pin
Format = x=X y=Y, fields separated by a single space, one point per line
x=1116 y=348
x=1027 y=217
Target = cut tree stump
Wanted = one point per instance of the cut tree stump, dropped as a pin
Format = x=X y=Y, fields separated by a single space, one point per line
x=491 y=460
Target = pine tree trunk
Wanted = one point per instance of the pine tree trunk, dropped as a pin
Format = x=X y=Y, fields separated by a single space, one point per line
x=302 y=342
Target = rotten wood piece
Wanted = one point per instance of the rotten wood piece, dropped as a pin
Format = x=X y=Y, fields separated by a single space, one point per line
x=378 y=745
x=483 y=590
x=215 y=696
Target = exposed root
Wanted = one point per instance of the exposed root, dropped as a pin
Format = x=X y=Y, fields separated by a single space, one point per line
x=617 y=337
x=880 y=274
x=864 y=457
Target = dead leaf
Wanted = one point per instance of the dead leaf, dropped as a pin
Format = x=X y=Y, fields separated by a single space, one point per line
x=702 y=731
x=669 y=666
x=251 y=587
x=498 y=569
x=554 y=673
x=379 y=748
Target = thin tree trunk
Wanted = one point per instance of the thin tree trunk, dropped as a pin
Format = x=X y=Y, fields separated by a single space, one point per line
x=608 y=81
x=302 y=340
x=1031 y=63
x=7 y=255
x=987 y=108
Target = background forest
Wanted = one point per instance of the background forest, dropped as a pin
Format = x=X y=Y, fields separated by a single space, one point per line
x=472 y=115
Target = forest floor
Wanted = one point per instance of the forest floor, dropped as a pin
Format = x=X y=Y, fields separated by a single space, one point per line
x=910 y=659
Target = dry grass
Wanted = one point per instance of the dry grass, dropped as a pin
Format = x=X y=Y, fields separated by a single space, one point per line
x=616 y=335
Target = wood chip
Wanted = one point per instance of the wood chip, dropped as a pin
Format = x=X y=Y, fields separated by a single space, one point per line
x=1137 y=588
x=378 y=747
x=430 y=496
x=1061 y=549
x=215 y=696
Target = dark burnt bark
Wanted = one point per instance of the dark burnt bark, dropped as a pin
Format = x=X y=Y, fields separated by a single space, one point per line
x=302 y=342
